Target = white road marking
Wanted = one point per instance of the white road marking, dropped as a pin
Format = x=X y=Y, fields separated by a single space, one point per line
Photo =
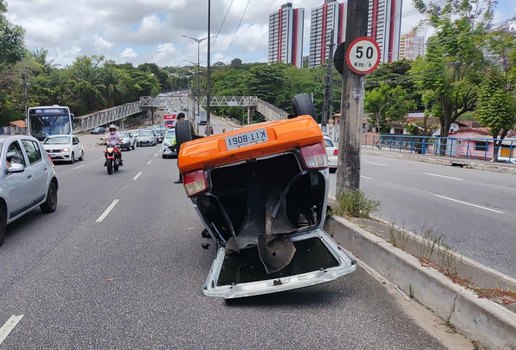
x=366 y=177
x=80 y=166
x=137 y=176
x=9 y=326
x=380 y=164
x=150 y=161
x=155 y=155
x=102 y=158
x=108 y=210
x=470 y=204
x=444 y=176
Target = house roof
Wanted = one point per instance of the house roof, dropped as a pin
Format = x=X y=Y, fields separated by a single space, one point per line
x=18 y=123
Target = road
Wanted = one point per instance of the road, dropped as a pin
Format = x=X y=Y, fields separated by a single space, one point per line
x=130 y=278
x=474 y=209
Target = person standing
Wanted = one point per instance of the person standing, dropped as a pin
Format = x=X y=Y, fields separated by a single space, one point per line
x=184 y=133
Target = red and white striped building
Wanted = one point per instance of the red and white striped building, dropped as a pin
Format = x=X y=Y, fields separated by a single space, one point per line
x=385 y=27
x=286 y=35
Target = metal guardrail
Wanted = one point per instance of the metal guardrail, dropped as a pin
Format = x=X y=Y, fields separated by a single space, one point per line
x=215 y=101
x=106 y=116
x=455 y=147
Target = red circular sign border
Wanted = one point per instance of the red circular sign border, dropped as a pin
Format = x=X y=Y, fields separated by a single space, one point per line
x=348 y=62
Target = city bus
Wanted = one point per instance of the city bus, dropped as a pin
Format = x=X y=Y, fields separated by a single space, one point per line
x=43 y=121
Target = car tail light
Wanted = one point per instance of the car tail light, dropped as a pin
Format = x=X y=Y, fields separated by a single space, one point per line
x=335 y=152
x=195 y=182
x=315 y=156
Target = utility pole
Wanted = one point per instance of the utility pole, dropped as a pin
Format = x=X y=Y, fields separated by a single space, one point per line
x=352 y=104
x=328 y=83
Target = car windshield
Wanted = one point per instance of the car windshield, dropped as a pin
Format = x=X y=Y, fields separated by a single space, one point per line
x=124 y=134
x=170 y=135
x=328 y=143
x=145 y=133
x=158 y=132
x=58 y=140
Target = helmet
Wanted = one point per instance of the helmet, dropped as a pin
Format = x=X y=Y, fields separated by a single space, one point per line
x=112 y=127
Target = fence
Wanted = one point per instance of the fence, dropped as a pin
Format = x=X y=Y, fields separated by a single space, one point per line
x=467 y=148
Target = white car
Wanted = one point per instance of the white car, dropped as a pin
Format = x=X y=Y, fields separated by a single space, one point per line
x=65 y=148
x=168 y=147
x=332 y=151
x=27 y=179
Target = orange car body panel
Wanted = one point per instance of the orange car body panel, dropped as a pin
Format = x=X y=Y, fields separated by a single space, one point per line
x=282 y=135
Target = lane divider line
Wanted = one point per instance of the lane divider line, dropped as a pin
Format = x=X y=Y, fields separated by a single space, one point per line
x=9 y=326
x=366 y=177
x=445 y=177
x=108 y=210
x=470 y=204
x=137 y=176
x=380 y=164
x=155 y=155
x=150 y=161
x=102 y=158
x=80 y=166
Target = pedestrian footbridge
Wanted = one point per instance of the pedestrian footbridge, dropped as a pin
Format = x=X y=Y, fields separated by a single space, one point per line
x=171 y=103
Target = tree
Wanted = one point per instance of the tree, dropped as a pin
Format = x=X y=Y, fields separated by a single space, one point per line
x=450 y=72
x=12 y=47
x=115 y=83
x=496 y=107
x=387 y=104
x=236 y=63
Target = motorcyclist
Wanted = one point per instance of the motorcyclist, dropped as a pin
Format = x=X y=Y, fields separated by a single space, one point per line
x=114 y=139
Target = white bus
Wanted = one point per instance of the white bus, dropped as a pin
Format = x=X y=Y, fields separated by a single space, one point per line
x=43 y=121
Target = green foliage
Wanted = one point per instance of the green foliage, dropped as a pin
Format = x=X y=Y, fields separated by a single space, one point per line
x=12 y=47
x=387 y=104
x=355 y=203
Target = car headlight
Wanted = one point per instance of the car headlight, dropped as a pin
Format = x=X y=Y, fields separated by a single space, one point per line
x=65 y=150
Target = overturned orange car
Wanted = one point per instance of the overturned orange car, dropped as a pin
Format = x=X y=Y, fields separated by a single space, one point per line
x=261 y=192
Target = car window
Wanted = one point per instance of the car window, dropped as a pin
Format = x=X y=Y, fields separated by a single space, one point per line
x=328 y=143
x=76 y=140
x=33 y=151
x=15 y=154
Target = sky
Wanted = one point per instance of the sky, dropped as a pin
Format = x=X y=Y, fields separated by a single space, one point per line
x=139 y=31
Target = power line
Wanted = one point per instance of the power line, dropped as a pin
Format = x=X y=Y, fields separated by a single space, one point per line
x=236 y=31
x=223 y=21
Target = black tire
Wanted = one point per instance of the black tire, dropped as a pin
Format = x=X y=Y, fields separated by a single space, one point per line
x=50 y=204
x=183 y=132
x=3 y=224
x=82 y=156
x=164 y=156
x=133 y=146
x=72 y=160
x=110 y=167
x=115 y=166
x=302 y=105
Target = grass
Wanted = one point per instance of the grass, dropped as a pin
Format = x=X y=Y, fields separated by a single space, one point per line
x=355 y=203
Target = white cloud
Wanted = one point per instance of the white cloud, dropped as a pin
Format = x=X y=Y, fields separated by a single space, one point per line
x=128 y=52
x=102 y=43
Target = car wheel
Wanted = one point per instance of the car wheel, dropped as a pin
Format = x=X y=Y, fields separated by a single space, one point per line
x=81 y=158
x=3 y=223
x=302 y=105
x=133 y=145
x=50 y=204
x=72 y=159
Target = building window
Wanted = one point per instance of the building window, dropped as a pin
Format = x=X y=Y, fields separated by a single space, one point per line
x=481 y=146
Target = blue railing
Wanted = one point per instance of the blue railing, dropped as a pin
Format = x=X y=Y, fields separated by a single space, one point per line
x=467 y=148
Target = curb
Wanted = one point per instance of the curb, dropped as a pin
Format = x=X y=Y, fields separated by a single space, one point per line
x=479 y=319
x=493 y=167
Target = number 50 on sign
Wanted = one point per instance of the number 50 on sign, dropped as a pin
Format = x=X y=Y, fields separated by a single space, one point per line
x=363 y=55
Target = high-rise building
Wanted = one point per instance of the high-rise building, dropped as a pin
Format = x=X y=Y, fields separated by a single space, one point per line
x=411 y=46
x=325 y=19
x=385 y=26
x=286 y=35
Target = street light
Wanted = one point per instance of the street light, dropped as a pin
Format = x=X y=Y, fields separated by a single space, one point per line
x=198 y=41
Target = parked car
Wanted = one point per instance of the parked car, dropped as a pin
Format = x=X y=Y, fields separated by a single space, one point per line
x=27 y=179
x=332 y=150
x=64 y=148
x=261 y=192
x=168 y=147
x=98 y=130
x=128 y=140
x=145 y=138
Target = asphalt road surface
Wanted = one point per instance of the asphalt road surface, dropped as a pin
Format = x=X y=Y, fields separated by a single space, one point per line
x=474 y=209
x=86 y=277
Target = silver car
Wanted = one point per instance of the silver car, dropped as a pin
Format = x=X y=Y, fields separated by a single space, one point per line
x=128 y=140
x=65 y=148
x=27 y=179
x=145 y=138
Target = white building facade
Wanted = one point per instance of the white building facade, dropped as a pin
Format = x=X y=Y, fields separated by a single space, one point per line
x=286 y=35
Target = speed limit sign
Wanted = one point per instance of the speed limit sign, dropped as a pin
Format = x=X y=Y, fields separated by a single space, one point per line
x=363 y=55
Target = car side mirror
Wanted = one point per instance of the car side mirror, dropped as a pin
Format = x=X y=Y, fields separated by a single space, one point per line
x=16 y=168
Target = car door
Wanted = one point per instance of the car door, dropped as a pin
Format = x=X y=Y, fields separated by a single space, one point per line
x=17 y=187
x=38 y=167
x=76 y=146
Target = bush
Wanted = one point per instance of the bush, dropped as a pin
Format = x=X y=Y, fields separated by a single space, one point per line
x=356 y=204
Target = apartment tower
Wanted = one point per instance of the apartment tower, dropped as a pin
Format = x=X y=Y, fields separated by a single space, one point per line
x=286 y=35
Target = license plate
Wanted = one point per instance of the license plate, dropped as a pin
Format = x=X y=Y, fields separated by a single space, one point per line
x=246 y=139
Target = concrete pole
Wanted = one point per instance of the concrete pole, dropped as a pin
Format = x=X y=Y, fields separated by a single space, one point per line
x=352 y=105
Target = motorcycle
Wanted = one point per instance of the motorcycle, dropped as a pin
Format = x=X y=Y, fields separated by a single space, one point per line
x=112 y=156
